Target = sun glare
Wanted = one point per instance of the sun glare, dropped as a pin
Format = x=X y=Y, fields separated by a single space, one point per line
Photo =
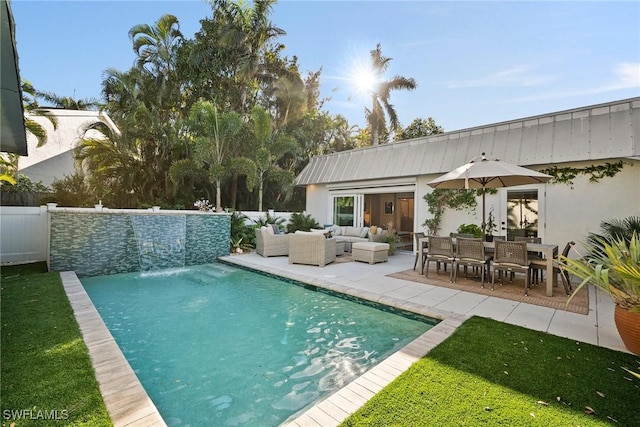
x=365 y=80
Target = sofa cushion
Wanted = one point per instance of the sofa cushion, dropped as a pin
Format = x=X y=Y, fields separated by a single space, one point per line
x=352 y=231
x=335 y=230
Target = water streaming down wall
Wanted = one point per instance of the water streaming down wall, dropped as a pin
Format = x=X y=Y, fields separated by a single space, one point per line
x=161 y=240
x=93 y=243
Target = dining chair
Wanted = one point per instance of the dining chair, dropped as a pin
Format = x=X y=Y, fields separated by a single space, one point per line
x=533 y=257
x=416 y=239
x=558 y=267
x=471 y=253
x=510 y=257
x=440 y=250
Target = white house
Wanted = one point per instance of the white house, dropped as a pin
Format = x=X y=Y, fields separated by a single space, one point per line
x=54 y=159
x=387 y=183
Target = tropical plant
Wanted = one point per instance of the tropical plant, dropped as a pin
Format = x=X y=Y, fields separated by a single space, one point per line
x=243 y=235
x=615 y=229
x=211 y=135
x=612 y=266
x=490 y=226
x=301 y=221
x=381 y=93
x=470 y=229
x=268 y=220
x=270 y=147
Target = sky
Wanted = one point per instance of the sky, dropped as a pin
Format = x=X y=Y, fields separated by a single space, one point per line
x=475 y=63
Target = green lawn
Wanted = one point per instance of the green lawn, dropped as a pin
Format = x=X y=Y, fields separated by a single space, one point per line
x=491 y=373
x=45 y=367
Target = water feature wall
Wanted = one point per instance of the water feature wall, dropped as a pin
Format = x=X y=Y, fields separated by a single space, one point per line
x=92 y=242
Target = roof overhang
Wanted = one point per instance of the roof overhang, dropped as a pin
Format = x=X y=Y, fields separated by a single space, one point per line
x=13 y=138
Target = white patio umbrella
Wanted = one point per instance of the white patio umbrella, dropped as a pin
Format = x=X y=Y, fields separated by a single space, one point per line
x=483 y=173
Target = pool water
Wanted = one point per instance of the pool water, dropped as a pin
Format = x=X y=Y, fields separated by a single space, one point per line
x=219 y=345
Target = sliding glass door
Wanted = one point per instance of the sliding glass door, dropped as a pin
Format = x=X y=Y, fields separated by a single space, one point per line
x=348 y=210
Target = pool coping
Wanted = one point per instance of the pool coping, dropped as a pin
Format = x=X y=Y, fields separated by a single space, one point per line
x=127 y=402
x=129 y=405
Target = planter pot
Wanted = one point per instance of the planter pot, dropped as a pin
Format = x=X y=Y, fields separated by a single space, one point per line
x=488 y=238
x=628 y=324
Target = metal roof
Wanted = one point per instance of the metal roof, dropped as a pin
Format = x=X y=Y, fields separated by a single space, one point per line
x=597 y=132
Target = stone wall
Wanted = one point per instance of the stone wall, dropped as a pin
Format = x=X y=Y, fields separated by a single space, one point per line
x=95 y=243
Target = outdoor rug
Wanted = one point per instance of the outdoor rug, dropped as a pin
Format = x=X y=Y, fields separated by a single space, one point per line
x=512 y=291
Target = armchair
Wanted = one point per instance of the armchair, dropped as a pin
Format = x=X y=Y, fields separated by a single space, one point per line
x=269 y=244
x=311 y=248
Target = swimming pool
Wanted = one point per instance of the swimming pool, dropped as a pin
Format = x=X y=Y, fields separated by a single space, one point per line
x=218 y=345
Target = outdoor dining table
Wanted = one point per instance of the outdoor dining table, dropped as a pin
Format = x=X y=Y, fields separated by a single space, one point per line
x=550 y=254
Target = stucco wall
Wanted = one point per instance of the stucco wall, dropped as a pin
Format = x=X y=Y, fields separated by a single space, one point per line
x=570 y=212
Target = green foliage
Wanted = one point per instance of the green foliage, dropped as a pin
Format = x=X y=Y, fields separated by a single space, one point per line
x=44 y=361
x=470 y=229
x=268 y=219
x=492 y=373
x=613 y=266
x=594 y=172
x=24 y=183
x=419 y=127
x=301 y=221
x=441 y=198
x=74 y=191
x=243 y=236
x=392 y=239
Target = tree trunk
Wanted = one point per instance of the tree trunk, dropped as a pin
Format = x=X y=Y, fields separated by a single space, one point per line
x=218 y=197
x=234 y=190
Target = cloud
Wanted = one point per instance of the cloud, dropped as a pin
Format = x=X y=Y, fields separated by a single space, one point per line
x=517 y=76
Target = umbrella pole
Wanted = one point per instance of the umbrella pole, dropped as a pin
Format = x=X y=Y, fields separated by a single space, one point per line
x=483 y=211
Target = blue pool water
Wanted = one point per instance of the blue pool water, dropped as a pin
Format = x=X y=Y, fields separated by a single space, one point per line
x=218 y=345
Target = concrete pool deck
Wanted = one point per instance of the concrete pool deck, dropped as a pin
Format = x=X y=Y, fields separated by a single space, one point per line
x=129 y=405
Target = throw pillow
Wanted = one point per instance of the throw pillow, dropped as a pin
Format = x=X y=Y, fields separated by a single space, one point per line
x=275 y=228
x=373 y=230
x=364 y=231
x=335 y=230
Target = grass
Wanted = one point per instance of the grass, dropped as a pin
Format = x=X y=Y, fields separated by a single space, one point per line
x=492 y=373
x=45 y=366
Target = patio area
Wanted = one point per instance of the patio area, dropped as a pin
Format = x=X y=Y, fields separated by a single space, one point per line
x=453 y=306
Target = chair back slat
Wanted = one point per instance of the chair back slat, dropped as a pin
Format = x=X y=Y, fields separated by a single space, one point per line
x=511 y=252
x=440 y=246
x=417 y=237
x=470 y=249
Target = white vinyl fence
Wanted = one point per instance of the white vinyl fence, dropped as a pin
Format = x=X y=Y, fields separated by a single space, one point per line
x=23 y=234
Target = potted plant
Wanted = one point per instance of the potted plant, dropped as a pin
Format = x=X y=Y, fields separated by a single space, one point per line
x=614 y=267
x=490 y=227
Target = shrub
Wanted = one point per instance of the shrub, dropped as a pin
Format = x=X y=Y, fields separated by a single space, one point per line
x=300 y=221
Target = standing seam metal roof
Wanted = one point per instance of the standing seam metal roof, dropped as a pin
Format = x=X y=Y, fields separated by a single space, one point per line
x=597 y=132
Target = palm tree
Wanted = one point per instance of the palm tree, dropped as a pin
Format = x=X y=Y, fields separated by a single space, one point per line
x=381 y=94
x=68 y=102
x=211 y=136
x=270 y=148
x=157 y=45
x=246 y=34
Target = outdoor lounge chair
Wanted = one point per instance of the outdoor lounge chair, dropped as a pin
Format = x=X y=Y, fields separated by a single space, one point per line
x=510 y=257
x=270 y=244
x=311 y=248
